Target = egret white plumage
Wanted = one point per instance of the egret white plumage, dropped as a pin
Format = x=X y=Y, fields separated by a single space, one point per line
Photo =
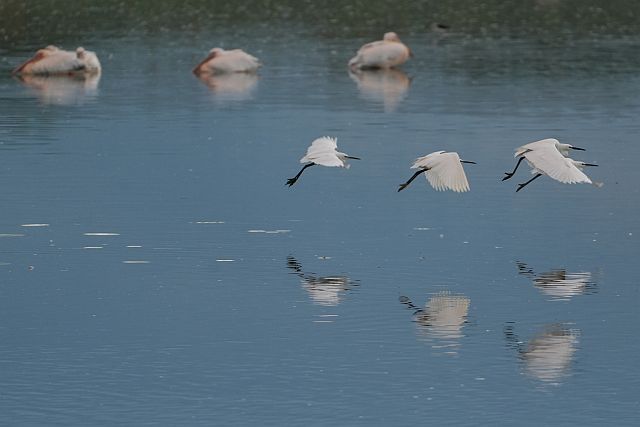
x=386 y=53
x=322 y=151
x=227 y=61
x=547 y=157
x=443 y=170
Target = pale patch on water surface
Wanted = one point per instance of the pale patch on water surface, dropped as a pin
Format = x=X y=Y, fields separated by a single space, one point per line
x=101 y=234
x=93 y=247
x=209 y=222
x=269 y=231
x=558 y=283
x=225 y=260
x=323 y=290
x=34 y=225
x=134 y=261
x=11 y=235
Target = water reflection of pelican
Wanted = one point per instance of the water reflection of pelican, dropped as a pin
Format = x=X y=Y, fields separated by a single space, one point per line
x=63 y=90
x=231 y=86
x=388 y=86
x=558 y=284
x=549 y=354
x=442 y=318
x=323 y=290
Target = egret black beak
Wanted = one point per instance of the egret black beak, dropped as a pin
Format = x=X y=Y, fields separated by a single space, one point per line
x=589 y=164
x=353 y=158
x=578 y=148
x=468 y=161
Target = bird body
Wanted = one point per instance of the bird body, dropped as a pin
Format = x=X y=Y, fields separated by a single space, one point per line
x=562 y=148
x=386 y=53
x=547 y=160
x=322 y=151
x=54 y=61
x=443 y=171
x=549 y=157
x=227 y=61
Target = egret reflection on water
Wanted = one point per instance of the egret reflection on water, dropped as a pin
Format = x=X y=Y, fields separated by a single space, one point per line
x=323 y=290
x=548 y=355
x=558 y=283
x=389 y=86
x=441 y=319
x=63 y=90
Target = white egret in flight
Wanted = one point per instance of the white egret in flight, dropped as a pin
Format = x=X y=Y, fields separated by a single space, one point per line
x=443 y=170
x=547 y=157
x=322 y=151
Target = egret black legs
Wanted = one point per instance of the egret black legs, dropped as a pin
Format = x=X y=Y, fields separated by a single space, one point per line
x=415 y=175
x=521 y=186
x=510 y=174
x=293 y=180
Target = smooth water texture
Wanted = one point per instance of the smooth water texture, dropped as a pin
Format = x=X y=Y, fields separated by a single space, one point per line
x=155 y=270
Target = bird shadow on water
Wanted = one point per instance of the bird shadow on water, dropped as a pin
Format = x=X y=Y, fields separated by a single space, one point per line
x=441 y=320
x=323 y=290
x=62 y=90
x=231 y=87
x=388 y=87
x=549 y=355
x=559 y=284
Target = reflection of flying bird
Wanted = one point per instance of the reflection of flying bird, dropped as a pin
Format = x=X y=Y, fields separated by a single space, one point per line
x=389 y=86
x=386 y=53
x=63 y=90
x=230 y=86
x=54 y=61
x=323 y=151
x=227 y=61
x=443 y=171
x=548 y=157
x=323 y=290
x=442 y=317
x=558 y=283
x=549 y=354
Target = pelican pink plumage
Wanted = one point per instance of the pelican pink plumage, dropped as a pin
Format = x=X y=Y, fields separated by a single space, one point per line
x=227 y=61
x=54 y=61
x=386 y=53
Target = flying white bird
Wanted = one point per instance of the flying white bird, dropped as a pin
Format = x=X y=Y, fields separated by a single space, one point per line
x=323 y=151
x=386 y=53
x=54 y=61
x=443 y=171
x=227 y=61
x=547 y=157
x=543 y=143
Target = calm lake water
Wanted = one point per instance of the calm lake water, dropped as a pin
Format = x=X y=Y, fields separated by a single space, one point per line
x=155 y=270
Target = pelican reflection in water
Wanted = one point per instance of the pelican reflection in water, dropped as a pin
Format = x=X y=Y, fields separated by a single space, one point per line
x=230 y=86
x=388 y=86
x=559 y=284
x=323 y=290
x=549 y=354
x=62 y=89
x=442 y=319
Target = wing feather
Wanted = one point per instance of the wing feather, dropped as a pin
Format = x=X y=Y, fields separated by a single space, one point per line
x=445 y=172
x=548 y=160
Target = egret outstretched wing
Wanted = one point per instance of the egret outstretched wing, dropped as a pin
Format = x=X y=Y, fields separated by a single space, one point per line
x=444 y=172
x=551 y=162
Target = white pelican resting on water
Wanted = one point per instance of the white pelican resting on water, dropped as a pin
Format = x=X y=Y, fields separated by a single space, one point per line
x=227 y=61
x=386 y=53
x=443 y=171
x=547 y=157
x=54 y=61
x=323 y=151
